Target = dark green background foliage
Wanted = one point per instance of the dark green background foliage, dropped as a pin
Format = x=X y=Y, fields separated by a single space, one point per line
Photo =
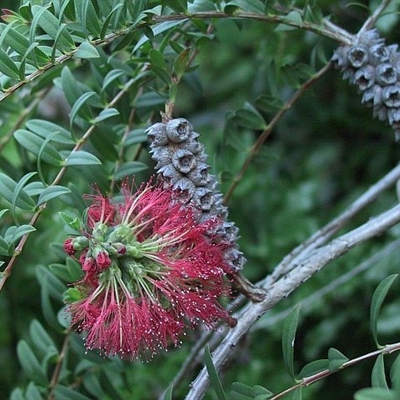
x=228 y=77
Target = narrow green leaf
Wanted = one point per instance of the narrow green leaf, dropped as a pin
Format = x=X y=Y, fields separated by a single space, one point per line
x=4 y=247
x=111 y=77
x=288 y=339
x=168 y=393
x=8 y=186
x=81 y=107
x=86 y=50
x=14 y=39
x=313 y=368
x=252 y=6
x=66 y=393
x=21 y=231
x=50 y=24
x=249 y=118
x=212 y=373
x=70 y=220
x=336 y=359
x=61 y=271
x=52 y=192
x=374 y=394
x=7 y=66
x=244 y=392
x=19 y=189
x=33 y=143
x=376 y=304
x=81 y=158
x=181 y=63
x=378 y=375
x=108 y=19
x=17 y=394
x=157 y=30
x=88 y=17
x=105 y=114
x=30 y=364
x=44 y=128
x=40 y=338
x=33 y=392
x=129 y=168
x=2 y=212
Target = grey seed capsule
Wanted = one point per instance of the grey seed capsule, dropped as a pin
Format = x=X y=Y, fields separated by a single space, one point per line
x=386 y=74
x=178 y=130
x=380 y=113
x=358 y=55
x=204 y=198
x=185 y=186
x=378 y=53
x=170 y=173
x=391 y=96
x=199 y=174
x=340 y=56
x=394 y=117
x=372 y=96
x=183 y=160
x=163 y=155
x=157 y=134
x=365 y=77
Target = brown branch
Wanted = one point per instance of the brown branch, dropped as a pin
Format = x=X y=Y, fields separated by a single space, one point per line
x=267 y=131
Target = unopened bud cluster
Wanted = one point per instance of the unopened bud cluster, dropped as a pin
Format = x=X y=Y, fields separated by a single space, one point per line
x=181 y=162
x=375 y=69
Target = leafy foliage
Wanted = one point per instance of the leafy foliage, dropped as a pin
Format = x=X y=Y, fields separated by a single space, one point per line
x=80 y=81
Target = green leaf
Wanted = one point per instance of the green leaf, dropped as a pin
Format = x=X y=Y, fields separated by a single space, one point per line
x=33 y=143
x=157 y=30
x=293 y=17
x=40 y=338
x=50 y=24
x=33 y=392
x=251 y=6
x=51 y=193
x=240 y=391
x=374 y=394
x=168 y=393
x=44 y=129
x=8 y=186
x=70 y=220
x=7 y=66
x=248 y=117
x=4 y=247
x=19 y=189
x=108 y=19
x=81 y=108
x=86 y=50
x=105 y=114
x=66 y=393
x=30 y=364
x=179 y=6
x=378 y=376
x=376 y=304
x=129 y=168
x=313 y=368
x=288 y=339
x=181 y=63
x=14 y=39
x=111 y=77
x=336 y=359
x=19 y=231
x=86 y=13
x=81 y=158
x=212 y=373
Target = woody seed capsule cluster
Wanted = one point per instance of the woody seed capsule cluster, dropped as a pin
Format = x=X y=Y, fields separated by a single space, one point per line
x=375 y=69
x=181 y=163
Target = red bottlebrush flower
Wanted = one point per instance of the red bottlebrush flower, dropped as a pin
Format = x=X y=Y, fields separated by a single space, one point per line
x=151 y=271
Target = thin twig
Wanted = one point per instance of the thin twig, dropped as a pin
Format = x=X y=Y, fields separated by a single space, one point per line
x=321 y=236
x=309 y=380
x=370 y=22
x=299 y=273
x=329 y=30
x=267 y=131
